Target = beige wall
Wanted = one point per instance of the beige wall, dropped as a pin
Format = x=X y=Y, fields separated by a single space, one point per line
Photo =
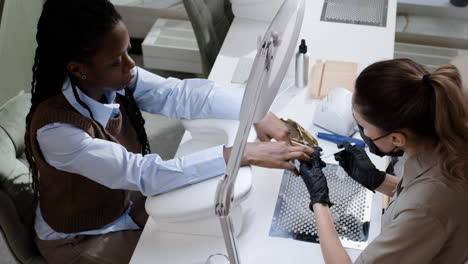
x=17 y=46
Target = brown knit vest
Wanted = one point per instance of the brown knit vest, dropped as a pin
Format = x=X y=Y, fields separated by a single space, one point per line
x=69 y=202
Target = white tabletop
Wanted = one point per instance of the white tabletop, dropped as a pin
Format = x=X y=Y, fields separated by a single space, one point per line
x=334 y=41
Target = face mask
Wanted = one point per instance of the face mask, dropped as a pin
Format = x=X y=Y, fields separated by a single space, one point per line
x=374 y=149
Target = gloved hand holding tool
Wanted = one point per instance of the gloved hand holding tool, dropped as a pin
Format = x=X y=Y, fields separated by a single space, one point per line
x=356 y=163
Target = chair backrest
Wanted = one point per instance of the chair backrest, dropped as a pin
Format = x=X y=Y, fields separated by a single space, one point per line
x=16 y=197
x=17 y=45
x=210 y=20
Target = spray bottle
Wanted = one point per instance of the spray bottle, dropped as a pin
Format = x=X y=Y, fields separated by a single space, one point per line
x=302 y=65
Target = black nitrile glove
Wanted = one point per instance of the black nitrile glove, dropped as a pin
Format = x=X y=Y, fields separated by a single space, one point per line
x=357 y=164
x=314 y=179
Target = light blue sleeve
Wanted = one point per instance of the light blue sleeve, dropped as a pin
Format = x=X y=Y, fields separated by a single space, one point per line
x=185 y=99
x=111 y=165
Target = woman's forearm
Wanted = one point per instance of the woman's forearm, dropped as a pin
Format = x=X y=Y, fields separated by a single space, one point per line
x=389 y=185
x=332 y=250
x=246 y=158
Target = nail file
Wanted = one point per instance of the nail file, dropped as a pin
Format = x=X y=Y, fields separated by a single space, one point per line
x=338 y=138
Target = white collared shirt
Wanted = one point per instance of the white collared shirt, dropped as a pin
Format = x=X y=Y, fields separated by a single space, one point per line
x=71 y=149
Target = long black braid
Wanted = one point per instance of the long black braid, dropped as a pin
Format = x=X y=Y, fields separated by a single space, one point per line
x=137 y=119
x=70 y=30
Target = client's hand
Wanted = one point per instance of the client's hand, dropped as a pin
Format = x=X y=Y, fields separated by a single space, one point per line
x=271 y=127
x=314 y=179
x=272 y=155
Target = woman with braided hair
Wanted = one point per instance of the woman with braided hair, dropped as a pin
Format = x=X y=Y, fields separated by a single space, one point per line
x=401 y=109
x=86 y=143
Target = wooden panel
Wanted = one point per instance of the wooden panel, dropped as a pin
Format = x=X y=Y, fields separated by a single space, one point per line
x=332 y=74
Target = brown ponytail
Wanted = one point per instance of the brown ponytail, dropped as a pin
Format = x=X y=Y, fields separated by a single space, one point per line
x=451 y=122
x=401 y=94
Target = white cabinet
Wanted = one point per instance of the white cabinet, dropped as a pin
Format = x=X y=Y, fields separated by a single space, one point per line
x=171 y=45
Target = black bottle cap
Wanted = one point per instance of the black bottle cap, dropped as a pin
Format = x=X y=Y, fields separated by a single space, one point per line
x=303 y=46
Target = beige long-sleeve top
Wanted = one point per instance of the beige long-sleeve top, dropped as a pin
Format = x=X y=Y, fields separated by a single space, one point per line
x=427 y=220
